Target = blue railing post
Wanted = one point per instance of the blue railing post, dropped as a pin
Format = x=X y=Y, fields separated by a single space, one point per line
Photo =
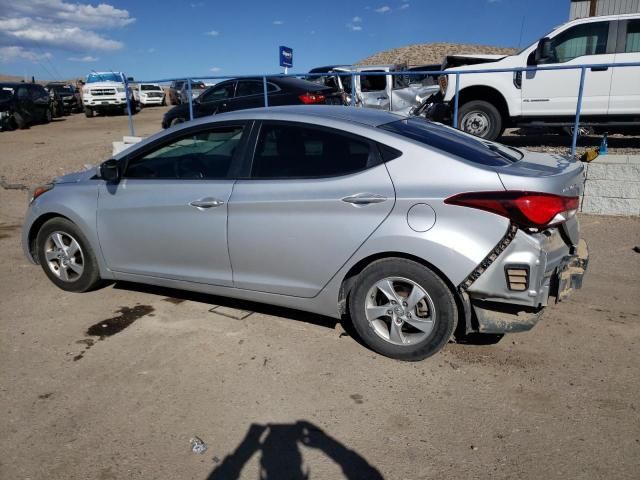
x=455 y=102
x=353 y=89
x=264 y=90
x=129 y=113
x=190 y=99
x=576 y=125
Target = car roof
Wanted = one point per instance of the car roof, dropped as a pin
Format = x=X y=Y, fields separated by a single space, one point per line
x=363 y=116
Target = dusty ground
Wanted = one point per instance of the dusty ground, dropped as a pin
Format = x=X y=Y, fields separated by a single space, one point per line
x=289 y=392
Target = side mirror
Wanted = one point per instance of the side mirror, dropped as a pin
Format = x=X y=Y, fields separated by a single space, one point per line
x=110 y=170
x=543 y=51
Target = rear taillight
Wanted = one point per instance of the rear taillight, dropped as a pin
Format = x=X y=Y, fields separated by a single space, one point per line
x=311 y=98
x=527 y=209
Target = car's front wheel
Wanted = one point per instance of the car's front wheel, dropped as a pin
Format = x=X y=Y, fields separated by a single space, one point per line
x=66 y=257
x=481 y=119
x=402 y=309
x=176 y=121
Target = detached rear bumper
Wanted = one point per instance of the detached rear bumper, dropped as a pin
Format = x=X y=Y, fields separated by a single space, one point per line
x=532 y=272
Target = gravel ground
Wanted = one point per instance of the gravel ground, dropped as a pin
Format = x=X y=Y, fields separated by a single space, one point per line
x=283 y=393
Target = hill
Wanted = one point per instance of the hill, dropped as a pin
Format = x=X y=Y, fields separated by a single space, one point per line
x=430 y=53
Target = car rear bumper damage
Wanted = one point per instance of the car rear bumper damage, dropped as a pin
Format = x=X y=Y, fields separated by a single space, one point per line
x=510 y=289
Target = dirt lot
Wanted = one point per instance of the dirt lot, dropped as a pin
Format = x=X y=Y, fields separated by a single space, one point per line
x=286 y=393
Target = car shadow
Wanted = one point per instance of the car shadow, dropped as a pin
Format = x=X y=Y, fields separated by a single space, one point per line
x=281 y=456
x=171 y=293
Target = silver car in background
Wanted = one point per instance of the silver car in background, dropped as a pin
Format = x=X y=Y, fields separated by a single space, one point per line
x=413 y=230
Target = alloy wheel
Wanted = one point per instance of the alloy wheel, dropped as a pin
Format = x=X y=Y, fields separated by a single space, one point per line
x=64 y=256
x=400 y=311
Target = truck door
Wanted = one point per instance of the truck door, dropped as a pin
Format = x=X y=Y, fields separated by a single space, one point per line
x=374 y=90
x=625 y=81
x=555 y=92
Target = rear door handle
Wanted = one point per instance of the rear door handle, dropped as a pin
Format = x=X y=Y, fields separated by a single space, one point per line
x=207 y=202
x=364 y=198
x=599 y=69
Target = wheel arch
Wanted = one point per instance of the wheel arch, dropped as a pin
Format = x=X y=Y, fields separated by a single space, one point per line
x=349 y=279
x=488 y=94
x=35 y=229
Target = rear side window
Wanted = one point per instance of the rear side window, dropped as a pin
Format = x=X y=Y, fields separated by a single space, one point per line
x=249 y=87
x=454 y=142
x=632 y=43
x=295 y=151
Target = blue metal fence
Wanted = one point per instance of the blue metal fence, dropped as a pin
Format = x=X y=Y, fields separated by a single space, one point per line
x=457 y=73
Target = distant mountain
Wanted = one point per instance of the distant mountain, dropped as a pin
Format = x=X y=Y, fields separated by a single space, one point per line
x=431 y=53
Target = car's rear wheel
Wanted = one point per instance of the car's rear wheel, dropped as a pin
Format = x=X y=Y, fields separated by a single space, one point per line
x=66 y=257
x=481 y=119
x=177 y=121
x=21 y=120
x=402 y=309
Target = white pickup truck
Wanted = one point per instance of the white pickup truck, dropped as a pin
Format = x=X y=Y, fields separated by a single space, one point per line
x=105 y=92
x=490 y=102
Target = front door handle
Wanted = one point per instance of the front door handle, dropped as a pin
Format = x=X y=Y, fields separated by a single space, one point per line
x=599 y=69
x=207 y=202
x=364 y=198
x=382 y=98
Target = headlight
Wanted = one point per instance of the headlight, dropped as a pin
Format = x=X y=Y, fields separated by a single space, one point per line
x=40 y=190
x=85 y=91
x=120 y=89
x=443 y=81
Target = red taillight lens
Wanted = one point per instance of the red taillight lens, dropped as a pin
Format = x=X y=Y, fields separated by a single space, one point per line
x=311 y=98
x=528 y=209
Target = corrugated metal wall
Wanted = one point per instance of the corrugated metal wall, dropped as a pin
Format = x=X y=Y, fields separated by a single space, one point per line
x=580 y=9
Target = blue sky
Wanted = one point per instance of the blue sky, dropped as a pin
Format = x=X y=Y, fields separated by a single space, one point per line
x=159 y=39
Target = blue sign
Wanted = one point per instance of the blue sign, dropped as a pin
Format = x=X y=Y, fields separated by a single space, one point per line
x=286 y=56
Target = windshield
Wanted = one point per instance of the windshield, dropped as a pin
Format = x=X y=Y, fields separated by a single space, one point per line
x=104 y=77
x=455 y=142
x=150 y=87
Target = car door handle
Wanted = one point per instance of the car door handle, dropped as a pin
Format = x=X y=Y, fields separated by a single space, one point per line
x=364 y=198
x=206 y=203
x=382 y=98
x=599 y=69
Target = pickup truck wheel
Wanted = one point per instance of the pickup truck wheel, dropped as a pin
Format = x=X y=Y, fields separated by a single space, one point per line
x=481 y=119
x=402 y=309
x=47 y=116
x=88 y=112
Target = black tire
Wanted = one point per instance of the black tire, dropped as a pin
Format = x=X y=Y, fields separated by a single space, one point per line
x=480 y=118
x=89 y=279
x=88 y=112
x=444 y=305
x=176 y=121
x=164 y=102
x=47 y=116
x=21 y=121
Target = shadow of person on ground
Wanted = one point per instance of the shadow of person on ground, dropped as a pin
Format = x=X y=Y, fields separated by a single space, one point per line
x=281 y=457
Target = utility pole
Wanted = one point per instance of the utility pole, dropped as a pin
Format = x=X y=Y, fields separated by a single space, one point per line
x=592 y=8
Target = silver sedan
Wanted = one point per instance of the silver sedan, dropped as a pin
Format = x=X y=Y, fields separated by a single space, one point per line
x=414 y=231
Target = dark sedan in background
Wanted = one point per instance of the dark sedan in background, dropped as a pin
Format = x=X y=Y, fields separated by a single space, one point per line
x=243 y=93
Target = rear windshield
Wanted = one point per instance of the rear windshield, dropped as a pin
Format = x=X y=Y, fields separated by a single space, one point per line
x=455 y=142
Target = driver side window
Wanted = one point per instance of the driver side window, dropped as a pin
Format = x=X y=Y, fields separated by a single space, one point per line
x=203 y=155
x=221 y=92
x=581 y=40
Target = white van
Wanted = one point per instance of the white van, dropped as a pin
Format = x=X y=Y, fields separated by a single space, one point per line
x=490 y=102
